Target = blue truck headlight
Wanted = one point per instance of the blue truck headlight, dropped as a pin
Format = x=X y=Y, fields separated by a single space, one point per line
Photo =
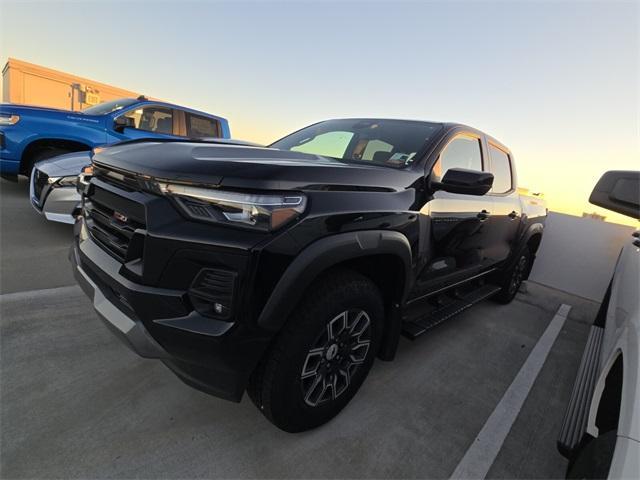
x=259 y=211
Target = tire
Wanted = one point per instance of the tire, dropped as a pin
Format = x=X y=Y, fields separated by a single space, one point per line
x=511 y=279
x=43 y=154
x=594 y=459
x=330 y=339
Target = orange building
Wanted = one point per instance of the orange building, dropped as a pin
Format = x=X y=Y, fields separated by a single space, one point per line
x=31 y=84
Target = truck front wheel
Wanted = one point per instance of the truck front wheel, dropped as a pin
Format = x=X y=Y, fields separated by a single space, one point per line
x=42 y=154
x=323 y=354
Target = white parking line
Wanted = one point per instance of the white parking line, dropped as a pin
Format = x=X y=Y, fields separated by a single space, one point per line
x=45 y=292
x=483 y=451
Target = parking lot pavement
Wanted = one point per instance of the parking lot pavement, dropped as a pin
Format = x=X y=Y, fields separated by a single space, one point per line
x=33 y=251
x=75 y=402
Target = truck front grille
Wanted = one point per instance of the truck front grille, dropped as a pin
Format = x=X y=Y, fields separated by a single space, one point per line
x=114 y=230
x=40 y=181
x=124 y=180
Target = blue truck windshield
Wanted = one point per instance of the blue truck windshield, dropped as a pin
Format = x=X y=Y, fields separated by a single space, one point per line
x=108 y=107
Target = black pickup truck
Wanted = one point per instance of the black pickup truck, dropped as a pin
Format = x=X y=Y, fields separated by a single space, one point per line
x=284 y=271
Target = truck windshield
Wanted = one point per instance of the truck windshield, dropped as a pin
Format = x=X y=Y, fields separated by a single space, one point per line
x=390 y=143
x=108 y=107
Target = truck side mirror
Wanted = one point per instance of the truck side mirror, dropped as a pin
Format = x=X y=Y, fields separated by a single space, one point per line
x=122 y=122
x=467 y=182
x=618 y=191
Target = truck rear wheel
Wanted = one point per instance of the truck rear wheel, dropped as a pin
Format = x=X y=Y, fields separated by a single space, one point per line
x=512 y=279
x=323 y=354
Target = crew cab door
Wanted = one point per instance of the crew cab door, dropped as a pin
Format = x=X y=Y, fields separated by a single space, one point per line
x=456 y=227
x=149 y=121
x=507 y=208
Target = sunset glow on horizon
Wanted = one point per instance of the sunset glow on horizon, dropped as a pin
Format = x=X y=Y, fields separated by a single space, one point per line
x=558 y=83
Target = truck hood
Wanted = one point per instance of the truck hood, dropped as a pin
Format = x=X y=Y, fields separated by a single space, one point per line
x=65 y=165
x=240 y=166
x=17 y=109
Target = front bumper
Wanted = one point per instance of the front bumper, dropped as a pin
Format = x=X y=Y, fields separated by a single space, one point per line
x=8 y=164
x=12 y=140
x=56 y=203
x=61 y=205
x=211 y=355
x=132 y=333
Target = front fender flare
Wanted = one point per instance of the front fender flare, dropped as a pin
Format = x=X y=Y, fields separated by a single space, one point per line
x=323 y=254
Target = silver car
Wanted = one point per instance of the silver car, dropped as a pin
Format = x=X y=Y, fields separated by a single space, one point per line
x=53 y=186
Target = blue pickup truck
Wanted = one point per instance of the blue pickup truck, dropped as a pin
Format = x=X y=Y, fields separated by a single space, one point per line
x=31 y=134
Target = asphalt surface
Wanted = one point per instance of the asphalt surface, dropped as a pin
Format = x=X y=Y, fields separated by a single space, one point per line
x=76 y=403
x=33 y=251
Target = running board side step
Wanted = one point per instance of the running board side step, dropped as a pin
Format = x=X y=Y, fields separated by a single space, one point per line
x=575 y=420
x=416 y=327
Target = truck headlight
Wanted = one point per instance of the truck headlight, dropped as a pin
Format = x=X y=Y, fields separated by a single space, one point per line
x=264 y=212
x=7 y=119
x=63 y=181
x=68 y=181
x=84 y=178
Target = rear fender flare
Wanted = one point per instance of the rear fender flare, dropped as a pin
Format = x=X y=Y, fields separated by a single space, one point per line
x=535 y=229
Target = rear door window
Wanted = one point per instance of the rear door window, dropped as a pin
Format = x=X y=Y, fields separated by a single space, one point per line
x=199 y=126
x=501 y=169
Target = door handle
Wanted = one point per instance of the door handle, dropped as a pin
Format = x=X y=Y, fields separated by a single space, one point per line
x=513 y=215
x=483 y=215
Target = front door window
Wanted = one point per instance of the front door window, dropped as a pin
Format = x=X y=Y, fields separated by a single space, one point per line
x=461 y=152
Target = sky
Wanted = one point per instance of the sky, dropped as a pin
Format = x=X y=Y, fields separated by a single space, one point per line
x=557 y=82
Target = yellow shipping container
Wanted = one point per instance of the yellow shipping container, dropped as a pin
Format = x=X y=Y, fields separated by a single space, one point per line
x=30 y=84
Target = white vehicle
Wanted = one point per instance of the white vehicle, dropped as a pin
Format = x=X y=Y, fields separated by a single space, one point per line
x=601 y=431
x=53 y=186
